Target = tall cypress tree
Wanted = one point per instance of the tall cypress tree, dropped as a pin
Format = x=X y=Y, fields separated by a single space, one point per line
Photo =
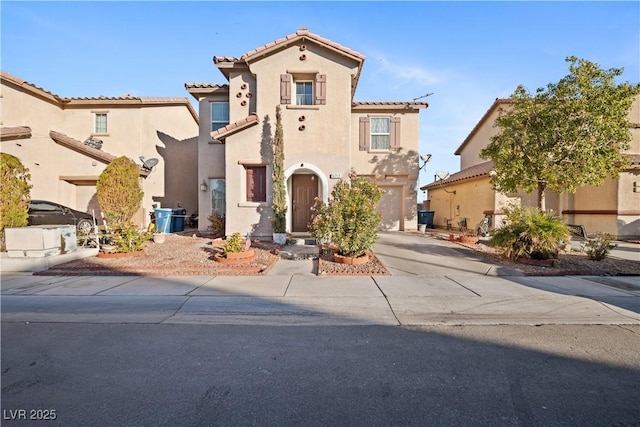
x=279 y=222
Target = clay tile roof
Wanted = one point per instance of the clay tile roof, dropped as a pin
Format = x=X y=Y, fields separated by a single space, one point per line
x=303 y=33
x=14 y=132
x=475 y=171
x=635 y=160
x=232 y=128
x=205 y=86
x=389 y=104
x=219 y=59
x=80 y=147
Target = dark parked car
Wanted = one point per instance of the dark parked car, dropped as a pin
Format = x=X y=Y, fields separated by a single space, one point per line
x=42 y=212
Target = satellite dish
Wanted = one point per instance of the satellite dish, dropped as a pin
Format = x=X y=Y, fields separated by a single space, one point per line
x=442 y=174
x=149 y=163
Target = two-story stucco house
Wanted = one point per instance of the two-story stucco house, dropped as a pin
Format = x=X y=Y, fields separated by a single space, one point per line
x=613 y=207
x=326 y=135
x=67 y=142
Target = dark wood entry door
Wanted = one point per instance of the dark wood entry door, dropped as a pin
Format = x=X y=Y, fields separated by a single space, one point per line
x=304 y=191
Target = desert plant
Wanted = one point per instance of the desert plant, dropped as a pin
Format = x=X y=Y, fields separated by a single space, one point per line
x=234 y=243
x=351 y=218
x=118 y=191
x=279 y=220
x=530 y=233
x=14 y=193
x=598 y=248
x=130 y=238
x=217 y=223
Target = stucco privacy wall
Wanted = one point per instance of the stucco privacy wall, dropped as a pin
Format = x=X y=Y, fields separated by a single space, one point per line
x=162 y=128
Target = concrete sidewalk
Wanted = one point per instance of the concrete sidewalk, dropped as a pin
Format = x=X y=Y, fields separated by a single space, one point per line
x=300 y=299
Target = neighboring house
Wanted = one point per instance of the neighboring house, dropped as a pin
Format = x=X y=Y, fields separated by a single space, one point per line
x=613 y=207
x=326 y=135
x=67 y=142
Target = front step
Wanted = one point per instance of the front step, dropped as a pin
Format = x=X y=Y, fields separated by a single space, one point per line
x=298 y=249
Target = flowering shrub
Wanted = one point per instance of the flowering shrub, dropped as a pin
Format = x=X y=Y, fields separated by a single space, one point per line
x=598 y=248
x=350 y=220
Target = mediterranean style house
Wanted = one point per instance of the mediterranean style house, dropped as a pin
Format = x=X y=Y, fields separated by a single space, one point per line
x=326 y=135
x=613 y=207
x=67 y=142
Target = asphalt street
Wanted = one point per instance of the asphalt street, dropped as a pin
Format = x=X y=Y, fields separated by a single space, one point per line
x=206 y=375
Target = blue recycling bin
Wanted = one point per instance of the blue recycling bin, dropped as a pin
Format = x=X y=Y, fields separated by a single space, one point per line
x=426 y=218
x=163 y=220
x=177 y=220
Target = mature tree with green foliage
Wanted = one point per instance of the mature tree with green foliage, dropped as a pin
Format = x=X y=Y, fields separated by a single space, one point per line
x=279 y=222
x=118 y=191
x=14 y=193
x=569 y=134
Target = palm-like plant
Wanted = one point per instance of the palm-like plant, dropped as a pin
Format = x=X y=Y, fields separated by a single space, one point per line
x=530 y=233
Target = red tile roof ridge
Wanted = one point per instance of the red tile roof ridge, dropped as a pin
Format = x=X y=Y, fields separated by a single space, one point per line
x=223 y=131
x=80 y=147
x=301 y=34
x=14 y=132
x=191 y=85
x=475 y=171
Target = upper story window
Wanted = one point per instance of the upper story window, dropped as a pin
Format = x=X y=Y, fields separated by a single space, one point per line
x=219 y=115
x=304 y=93
x=380 y=133
x=308 y=88
x=100 y=123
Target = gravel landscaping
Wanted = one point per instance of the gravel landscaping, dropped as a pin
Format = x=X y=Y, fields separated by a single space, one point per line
x=191 y=253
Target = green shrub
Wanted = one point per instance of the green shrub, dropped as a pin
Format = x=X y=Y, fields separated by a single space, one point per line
x=350 y=219
x=530 y=233
x=14 y=193
x=598 y=248
x=217 y=223
x=130 y=238
x=118 y=191
x=234 y=243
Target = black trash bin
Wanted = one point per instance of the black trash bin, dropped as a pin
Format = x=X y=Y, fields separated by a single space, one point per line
x=426 y=218
x=177 y=220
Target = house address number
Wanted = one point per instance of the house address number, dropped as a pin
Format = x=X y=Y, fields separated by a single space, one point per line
x=335 y=175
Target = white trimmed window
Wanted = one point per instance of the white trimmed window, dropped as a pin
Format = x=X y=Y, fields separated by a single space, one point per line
x=304 y=93
x=380 y=133
x=218 y=196
x=100 y=123
x=219 y=115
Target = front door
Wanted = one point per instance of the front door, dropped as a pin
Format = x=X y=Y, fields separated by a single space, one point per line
x=304 y=191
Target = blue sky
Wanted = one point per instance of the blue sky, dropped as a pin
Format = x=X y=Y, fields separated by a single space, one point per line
x=465 y=53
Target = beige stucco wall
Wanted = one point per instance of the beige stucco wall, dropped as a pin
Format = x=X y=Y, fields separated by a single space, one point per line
x=166 y=132
x=470 y=155
x=471 y=200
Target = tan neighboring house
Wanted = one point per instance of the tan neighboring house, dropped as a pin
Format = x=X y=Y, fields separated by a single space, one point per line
x=67 y=142
x=613 y=207
x=326 y=135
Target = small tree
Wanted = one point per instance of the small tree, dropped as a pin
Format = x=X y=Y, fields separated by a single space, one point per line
x=569 y=134
x=279 y=222
x=350 y=219
x=118 y=190
x=14 y=193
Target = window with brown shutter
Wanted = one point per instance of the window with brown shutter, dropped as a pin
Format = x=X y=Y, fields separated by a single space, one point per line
x=383 y=134
x=321 y=89
x=256 y=183
x=285 y=89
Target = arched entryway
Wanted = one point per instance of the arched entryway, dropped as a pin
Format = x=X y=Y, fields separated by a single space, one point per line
x=305 y=183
